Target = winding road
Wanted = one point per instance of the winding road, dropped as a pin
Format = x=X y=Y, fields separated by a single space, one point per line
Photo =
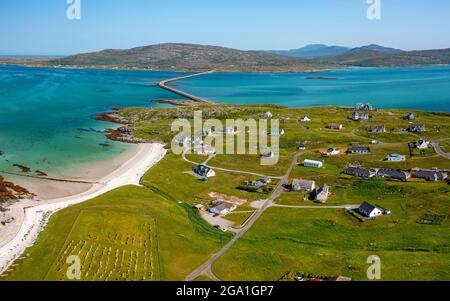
x=438 y=148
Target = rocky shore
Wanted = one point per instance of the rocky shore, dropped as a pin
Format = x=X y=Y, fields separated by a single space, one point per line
x=10 y=191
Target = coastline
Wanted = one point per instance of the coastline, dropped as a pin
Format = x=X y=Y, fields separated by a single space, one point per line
x=24 y=231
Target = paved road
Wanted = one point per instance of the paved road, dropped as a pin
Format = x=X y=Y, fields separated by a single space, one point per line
x=438 y=148
x=163 y=84
x=318 y=207
x=206 y=267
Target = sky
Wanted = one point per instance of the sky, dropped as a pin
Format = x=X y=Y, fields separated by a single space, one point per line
x=41 y=27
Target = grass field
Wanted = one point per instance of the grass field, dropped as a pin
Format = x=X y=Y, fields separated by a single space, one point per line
x=152 y=233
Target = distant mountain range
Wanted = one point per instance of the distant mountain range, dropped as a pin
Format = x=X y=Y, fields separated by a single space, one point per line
x=320 y=50
x=192 y=57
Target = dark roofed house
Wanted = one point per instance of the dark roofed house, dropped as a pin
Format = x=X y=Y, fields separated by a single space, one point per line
x=364 y=107
x=360 y=116
x=369 y=210
x=378 y=129
x=322 y=193
x=393 y=174
x=431 y=175
x=409 y=116
x=416 y=128
x=358 y=172
x=335 y=126
x=359 y=150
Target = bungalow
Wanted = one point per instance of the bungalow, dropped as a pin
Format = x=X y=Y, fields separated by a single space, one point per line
x=206 y=132
x=364 y=107
x=393 y=174
x=358 y=172
x=409 y=116
x=369 y=210
x=199 y=207
x=268 y=155
x=267 y=115
x=222 y=208
x=204 y=171
x=229 y=130
x=335 y=126
x=332 y=151
x=259 y=183
x=378 y=129
x=305 y=119
x=300 y=184
x=416 y=128
x=422 y=144
x=360 y=116
x=395 y=158
x=322 y=193
x=312 y=163
x=430 y=175
x=359 y=150
x=301 y=146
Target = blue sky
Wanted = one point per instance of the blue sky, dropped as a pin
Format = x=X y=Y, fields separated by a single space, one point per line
x=41 y=26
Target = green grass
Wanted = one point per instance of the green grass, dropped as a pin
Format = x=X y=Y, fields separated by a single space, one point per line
x=178 y=239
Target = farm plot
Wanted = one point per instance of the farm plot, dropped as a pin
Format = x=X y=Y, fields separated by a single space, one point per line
x=109 y=251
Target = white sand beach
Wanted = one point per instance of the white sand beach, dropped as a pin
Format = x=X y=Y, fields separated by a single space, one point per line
x=30 y=217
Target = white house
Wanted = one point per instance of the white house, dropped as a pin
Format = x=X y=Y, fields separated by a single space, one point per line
x=300 y=184
x=229 y=130
x=204 y=171
x=269 y=155
x=267 y=115
x=222 y=208
x=312 y=163
x=332 y=151
x=369 y=210
x=422 y=144
x=395 y=158
x=305 y=119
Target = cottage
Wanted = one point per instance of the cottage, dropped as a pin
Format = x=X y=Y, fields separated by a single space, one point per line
x=267 y=115
x=332 y=151
x=204 y=171
x=409 y=116
x=305 y=119
x=364 y=107
x=259 y=183
x=395 y=158
x=300 y=184
x=335 y=126
x=416 y=128
x=378 y=129
x=360 y=116
x=199 y=207
x=312 y=163
x=322 y=193
x=268 y=155
x=222 y=208
x=422 y=144
x=206 y=132
x=301 y=146
x=369 y=210
x=358 y=172
x=359 y=150
x=431 y=175
x=229 y=130
x=393 y=174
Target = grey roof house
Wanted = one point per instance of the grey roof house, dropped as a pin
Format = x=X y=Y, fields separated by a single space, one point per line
x=300 y=184
x=393 y=174
x=431 y=175
x=322 y=193
x=359 y=150
x=358 y=172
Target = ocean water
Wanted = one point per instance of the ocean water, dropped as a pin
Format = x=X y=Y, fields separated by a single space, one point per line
x=425 y=88
x=46 y=115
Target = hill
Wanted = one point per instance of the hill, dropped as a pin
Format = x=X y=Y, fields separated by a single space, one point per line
x=313 y=51
x=188 y=57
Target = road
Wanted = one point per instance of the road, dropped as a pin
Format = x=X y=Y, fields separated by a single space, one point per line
x=317 y=207
x=206 y=267
x=438 y=148
x=163 y=84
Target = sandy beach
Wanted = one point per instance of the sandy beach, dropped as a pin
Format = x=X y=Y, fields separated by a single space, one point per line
x=31 y=216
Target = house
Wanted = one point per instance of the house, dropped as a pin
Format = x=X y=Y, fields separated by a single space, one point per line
x=332 y=151
x=300 y=184
x=322 y=193
x=206 y=132
x=360 y=116
x=358 y=172
x=312 y=163
x=259 y=183
x=431 y=175
x=369 y=210
x=222 y=208
x=409 y=116
x=364 y=107
x=395 y=158
x=229 y=130
x=305 y=119
x=267 y=115
x=268 y=155
x=359 y=150
x=204 y=171
x=393 y=174
x=416 y=128
x=335 y=126
x=378 y=129
x=199 y=207
x=301 y=146
x=278 y=133
x=422 y=144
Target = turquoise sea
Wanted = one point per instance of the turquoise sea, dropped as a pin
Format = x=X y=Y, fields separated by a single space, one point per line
x=46 y=115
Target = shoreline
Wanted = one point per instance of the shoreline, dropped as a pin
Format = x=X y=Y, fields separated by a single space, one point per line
x=36 y=217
